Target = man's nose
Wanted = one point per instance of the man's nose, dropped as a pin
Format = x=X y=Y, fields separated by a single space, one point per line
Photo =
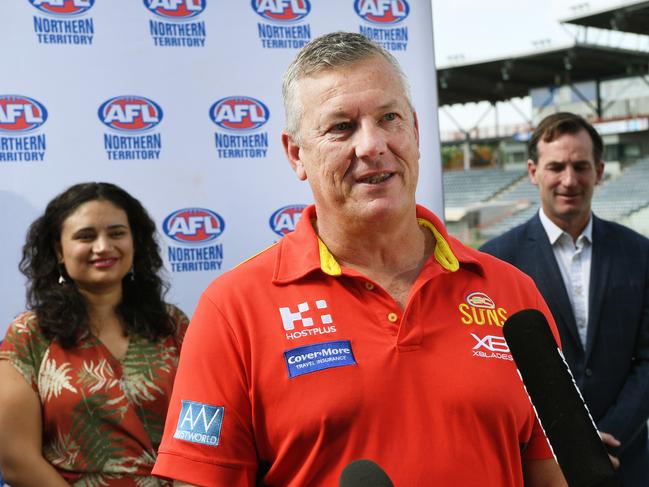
x=370 y=141
x=569 y=176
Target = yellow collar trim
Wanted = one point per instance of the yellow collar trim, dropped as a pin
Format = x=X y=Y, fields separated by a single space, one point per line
x=328 y=262
x=443 y=253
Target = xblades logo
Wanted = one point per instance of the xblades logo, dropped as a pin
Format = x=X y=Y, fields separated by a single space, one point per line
x=491 y=346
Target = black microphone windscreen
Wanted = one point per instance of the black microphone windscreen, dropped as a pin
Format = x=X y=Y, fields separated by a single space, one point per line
x=364 y=473
x=558 y=403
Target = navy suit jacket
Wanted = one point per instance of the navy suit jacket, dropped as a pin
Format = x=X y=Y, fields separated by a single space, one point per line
x=612 y=371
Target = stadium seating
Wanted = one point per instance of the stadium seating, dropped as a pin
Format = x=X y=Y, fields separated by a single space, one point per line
x=463 y=188
x=616 y=198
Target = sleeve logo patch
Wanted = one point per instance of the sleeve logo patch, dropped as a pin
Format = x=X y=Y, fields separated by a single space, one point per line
x=319 y=356
x=200 y=423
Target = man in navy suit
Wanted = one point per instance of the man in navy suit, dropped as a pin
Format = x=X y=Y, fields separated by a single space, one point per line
x=594 y=276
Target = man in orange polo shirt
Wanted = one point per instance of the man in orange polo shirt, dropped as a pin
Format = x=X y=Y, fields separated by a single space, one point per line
x=366 y=333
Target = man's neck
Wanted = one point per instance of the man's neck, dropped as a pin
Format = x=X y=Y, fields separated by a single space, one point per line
x=572 y=226
x=392 y=255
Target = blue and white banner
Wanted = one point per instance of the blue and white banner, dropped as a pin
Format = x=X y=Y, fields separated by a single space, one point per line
x=179 y=102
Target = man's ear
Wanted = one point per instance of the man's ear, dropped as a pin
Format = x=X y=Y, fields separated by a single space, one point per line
x=599 y=170
x=292 y=151
x=531 y=171
x=416 y=124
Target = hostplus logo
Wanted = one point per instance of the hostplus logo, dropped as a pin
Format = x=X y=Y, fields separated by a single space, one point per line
x=479 y=309
x=284 y=220
x=240 y=119
x=193 y=233
x=307 y=320
x=491 y=346
x=383 y=19
x=175 y=23
x=131 y=120
x=66 y=22
x=286 y=28
x=21 y=120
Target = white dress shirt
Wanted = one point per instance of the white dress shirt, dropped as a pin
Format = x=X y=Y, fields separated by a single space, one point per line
x=574 y=260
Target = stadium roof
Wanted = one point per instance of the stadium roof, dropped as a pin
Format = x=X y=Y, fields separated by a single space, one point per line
x=632 y=17
x=512 y=77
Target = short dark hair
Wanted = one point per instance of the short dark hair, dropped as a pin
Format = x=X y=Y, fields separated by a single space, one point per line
x=61 y=310
x=555 y=125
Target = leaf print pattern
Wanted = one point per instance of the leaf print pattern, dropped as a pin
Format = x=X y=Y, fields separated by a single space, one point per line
x=97 y=377
x=102 y=418
x=52 y=379
x=63 y=451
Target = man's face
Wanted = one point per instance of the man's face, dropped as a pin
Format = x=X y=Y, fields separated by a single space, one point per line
x=358 y=142
x=566 y=174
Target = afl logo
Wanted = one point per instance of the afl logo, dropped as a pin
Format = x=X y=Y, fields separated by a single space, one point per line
x=193 y=225
x=20 y=114
x=130 y=113
x=63 y=7
x=282 y=10
x=480 y=300
x=382 y=11
x=239 y=113
x=176 y=9
x=283 y=221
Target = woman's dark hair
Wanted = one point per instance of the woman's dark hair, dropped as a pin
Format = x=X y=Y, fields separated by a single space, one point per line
x=60 y=308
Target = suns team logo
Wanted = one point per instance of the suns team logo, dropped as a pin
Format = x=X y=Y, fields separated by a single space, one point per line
x=176 y=9
x=382 y=12
x=20 y=114
x=65 y=8
x=479 y=309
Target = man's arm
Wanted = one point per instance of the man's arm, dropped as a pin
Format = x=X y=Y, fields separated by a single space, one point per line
x=630 y=412
x=543 y=473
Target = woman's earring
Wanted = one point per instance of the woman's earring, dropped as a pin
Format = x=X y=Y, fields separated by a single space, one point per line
x=61 y=278
x=131 y=274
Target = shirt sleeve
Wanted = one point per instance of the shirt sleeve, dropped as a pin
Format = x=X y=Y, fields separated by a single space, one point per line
x=208 y=437
x=24 y=347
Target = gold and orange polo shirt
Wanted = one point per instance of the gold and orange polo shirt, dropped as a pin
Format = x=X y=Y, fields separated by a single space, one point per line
x=294 y=366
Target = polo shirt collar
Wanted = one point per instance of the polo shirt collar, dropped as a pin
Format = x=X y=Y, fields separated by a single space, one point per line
x=302 y=251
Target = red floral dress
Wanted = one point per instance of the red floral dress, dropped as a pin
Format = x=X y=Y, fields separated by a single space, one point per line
x=102 y=417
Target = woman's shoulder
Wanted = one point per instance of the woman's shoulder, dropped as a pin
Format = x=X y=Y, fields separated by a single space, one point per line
x=175 y=313
x=25 y=325
x=180 y=320
x=24 y=345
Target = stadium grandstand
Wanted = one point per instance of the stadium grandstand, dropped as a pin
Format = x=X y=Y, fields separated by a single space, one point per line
x=486 y=187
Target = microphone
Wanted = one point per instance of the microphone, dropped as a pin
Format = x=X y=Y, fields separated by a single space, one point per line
x=364 y=473
x=561 y=410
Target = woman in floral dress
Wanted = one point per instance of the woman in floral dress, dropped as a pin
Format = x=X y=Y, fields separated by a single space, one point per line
x=86 y=373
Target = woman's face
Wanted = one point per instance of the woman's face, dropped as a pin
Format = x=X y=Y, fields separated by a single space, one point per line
x=96 y=246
